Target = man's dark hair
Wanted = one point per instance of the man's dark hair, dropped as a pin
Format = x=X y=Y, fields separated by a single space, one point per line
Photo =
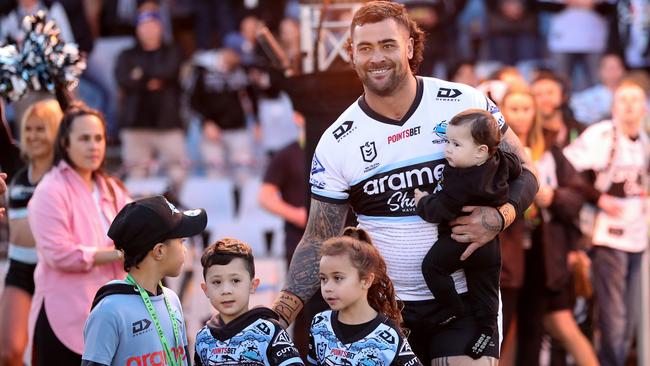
x=223 y=251
x=377 y=11
x=484 y=127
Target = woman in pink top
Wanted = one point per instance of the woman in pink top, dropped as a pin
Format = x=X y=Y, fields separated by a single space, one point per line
x=69 y=214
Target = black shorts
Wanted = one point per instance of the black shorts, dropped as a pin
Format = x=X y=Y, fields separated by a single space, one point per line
x=451 y=340
x=21 y=275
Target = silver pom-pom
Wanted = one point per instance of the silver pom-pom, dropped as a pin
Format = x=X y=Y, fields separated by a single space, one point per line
x=12 y=84
x=44 y=62
x=48 y=62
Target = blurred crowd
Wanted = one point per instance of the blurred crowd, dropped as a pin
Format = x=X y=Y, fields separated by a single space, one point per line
x=186 y=90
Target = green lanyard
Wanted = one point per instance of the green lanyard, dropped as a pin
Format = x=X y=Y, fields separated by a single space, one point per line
x=171 y=359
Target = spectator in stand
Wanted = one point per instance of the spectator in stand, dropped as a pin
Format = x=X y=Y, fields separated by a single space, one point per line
x=214 y=20
x=629 y=32
x=218 y=95
x=595 y=104
x=512 y=28
x=552 y=93
x=112 y=23
x=150 y=121
x=275 y=111
x=289 y=38
x=69 y=215
x=244 y=42
x=464 y=72
x=617 y=152
x=438 y=20
x=578 y=35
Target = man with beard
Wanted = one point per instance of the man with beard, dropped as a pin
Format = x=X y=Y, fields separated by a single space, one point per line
x=386 y=144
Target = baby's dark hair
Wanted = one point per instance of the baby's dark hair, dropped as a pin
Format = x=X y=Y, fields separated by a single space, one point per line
x=484 y=127
x=223 y=251
x=366 y=259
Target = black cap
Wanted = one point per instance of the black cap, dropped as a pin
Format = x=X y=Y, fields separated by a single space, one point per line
x=143 y=223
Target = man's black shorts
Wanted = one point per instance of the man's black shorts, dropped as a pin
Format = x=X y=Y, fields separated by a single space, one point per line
x=451 y=340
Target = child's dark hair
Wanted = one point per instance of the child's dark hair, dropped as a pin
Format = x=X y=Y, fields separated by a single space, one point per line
x=484 y=128
x=366 y=259
x=223 y=251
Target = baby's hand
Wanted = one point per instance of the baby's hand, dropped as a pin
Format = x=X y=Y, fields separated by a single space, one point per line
x=419 y=194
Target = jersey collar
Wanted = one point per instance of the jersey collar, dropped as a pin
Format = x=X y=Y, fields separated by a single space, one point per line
x=383 y=119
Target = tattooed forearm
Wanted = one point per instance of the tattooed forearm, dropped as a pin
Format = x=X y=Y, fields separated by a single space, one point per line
x=510 y=143
x=490 y=219
x=325 y=221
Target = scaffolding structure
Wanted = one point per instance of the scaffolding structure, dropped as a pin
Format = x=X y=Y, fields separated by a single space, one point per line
x=323 y=38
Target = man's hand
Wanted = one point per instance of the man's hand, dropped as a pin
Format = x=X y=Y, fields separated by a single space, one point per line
x=419 y=195
x=476 y=229
x=3 y=189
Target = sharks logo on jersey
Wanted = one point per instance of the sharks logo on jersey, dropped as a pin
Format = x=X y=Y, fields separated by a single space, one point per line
x=381 y=346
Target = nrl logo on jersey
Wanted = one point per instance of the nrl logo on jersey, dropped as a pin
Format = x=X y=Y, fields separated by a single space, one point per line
x=448 y=95
x=368 y=151
x=344 y=130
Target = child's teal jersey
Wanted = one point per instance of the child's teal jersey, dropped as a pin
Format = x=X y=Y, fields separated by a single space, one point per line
x=253 y=339
x=120 y=332
x=378 y=344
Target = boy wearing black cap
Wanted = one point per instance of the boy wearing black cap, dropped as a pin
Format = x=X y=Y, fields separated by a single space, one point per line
x=137 y=321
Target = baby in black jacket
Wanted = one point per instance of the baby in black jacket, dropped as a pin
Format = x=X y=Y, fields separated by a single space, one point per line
x=476 y=173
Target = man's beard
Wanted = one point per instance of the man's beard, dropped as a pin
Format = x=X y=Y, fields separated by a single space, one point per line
x=396 y=77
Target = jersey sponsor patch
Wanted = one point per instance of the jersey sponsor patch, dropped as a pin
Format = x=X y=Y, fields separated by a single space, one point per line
x=448 y=94
x=391 y=193
x=344 y=130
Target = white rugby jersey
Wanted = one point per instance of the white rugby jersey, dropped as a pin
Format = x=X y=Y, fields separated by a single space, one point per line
x=374 y=163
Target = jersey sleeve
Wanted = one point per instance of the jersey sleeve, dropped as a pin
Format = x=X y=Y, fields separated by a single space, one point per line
x=496 y=113
x=591 y=150
x=325 y=177
x=481 y=101
x=101 y=336
x=282 y=351
x=405 y=355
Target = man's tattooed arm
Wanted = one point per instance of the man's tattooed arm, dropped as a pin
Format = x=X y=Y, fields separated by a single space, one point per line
x=325 y=221
x=511 y=143
x=524 y=187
